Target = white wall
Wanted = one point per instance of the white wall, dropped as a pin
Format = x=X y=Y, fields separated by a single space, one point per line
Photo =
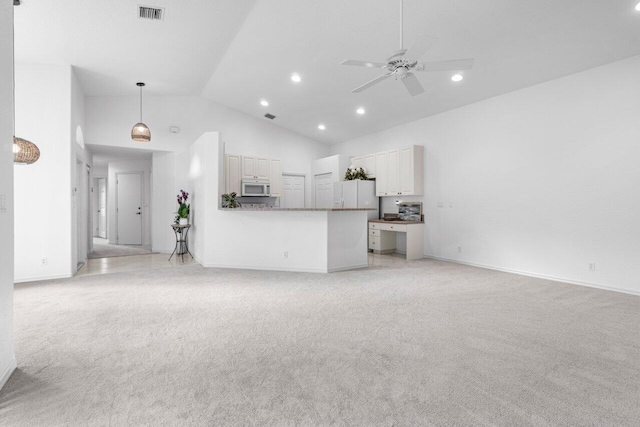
x=542 y=181
x=115 y=168
x=109 y=121
x=43 y=190
x=7 y=358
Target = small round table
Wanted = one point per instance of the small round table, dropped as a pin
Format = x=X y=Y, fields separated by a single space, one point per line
x=181 y=232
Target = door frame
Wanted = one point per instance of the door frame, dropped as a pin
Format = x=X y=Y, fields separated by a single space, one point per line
x=142 y=222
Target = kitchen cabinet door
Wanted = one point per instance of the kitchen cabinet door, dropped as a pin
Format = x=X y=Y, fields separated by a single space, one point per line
x=406 y=171
x=381 y=174
x=369 y=163
x=233 y=175
x=275 y=177
x=357 y=162
x=262 y=168
x=393 y=172
x=248 y=167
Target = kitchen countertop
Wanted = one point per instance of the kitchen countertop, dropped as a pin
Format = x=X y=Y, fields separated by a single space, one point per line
x=382 y=221
x=252 y=208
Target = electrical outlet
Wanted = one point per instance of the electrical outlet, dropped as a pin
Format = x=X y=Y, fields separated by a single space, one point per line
x=44 y=261
x=459 y=249
x=450 y=204
x=592 y=266
x=440 y=204
x=286 y=254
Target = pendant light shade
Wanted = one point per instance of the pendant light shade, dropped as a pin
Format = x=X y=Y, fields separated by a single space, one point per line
x=24 y=152
x=140 y=131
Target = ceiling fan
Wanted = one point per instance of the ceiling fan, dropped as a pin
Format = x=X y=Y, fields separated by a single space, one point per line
x=404 y=62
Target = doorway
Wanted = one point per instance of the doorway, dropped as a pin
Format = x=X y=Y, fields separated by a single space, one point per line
x=323 y=190
x=101 y=204
x=129 y=208
x=292 y=191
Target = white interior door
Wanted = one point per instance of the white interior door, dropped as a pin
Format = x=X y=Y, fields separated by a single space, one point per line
x=324 y=190
x=292 y=191
x=129 y=208
x=102 y=204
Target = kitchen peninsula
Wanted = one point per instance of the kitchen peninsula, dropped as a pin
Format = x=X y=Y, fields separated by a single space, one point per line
x=319 y=240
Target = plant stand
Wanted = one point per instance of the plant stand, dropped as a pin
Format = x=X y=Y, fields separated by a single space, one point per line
x=181 y=231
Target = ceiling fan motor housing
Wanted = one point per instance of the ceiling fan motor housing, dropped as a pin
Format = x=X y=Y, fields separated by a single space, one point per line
x=396 y=61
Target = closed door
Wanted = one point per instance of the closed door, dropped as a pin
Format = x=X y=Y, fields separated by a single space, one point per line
x=102 y=204
x=129 y=208
x=292 y=191
x=323 y=190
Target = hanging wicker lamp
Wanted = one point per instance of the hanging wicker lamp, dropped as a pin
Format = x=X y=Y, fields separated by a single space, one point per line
x=140 y=131
x=24 y=152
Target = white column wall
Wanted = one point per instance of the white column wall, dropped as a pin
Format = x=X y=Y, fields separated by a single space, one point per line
x=44 y=223
x=541 y=181
x=7 y=358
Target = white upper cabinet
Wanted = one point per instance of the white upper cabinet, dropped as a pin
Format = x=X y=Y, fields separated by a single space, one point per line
x=233 y=174
x=400 y=172
x=367 y=162
x=381 y=170
x=255 y=167
x=275 y=177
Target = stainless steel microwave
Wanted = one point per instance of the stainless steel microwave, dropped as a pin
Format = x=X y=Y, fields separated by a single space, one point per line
x=256 y=188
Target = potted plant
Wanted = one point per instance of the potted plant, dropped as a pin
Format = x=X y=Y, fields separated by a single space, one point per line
x=230 y=201
x=355 y=173
x=182 y=216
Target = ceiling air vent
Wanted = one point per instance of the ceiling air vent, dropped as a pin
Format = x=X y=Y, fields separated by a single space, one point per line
x=270 y=116
x=152 y=13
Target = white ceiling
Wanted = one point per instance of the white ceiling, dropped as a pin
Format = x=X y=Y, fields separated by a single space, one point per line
x=239 y=51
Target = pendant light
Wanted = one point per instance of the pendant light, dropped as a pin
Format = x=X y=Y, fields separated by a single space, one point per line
x=24 y=152
x=140 y=131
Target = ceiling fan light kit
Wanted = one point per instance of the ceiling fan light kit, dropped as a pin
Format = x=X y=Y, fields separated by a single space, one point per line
x=404 y=62
x=140 y=131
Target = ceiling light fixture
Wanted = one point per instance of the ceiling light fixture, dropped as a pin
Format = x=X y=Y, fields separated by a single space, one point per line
x=24 y=152
x=321 y=127
x=264 y=103
x=360 y=111
x=140 y=131
x=296 y=77
x=457 y=77
x=638 y=6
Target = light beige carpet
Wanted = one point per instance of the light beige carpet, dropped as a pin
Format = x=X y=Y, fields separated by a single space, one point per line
x=431 y=344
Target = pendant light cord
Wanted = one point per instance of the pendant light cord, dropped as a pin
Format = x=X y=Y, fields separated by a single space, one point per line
x=140 y=104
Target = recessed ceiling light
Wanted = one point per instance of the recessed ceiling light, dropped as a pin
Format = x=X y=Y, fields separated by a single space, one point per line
x=638 y=6
x=296 y=77
x=264 y=103
x=457 y=77
x=321 y=127
x=360 y=110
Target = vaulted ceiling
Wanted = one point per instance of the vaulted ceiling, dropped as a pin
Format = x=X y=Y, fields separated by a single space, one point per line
x=237 y=52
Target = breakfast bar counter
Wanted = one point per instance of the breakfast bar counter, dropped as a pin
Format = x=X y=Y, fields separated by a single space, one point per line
x=318 y=240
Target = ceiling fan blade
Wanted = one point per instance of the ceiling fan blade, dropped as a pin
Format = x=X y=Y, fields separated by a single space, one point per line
x=420 y=47
x=367 y=64
x=412 y=84
x=451 y=65
x=371 y=83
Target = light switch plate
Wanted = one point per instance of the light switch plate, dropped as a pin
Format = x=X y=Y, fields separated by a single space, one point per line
x=3 y=203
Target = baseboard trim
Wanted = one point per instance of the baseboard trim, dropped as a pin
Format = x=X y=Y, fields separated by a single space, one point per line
x=36 y=279
x=333 y=270
x=248 y=267
x=539 y=276
x=7 y=373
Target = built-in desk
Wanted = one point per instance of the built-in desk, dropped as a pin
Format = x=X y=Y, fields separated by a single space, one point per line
x=382 y=237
